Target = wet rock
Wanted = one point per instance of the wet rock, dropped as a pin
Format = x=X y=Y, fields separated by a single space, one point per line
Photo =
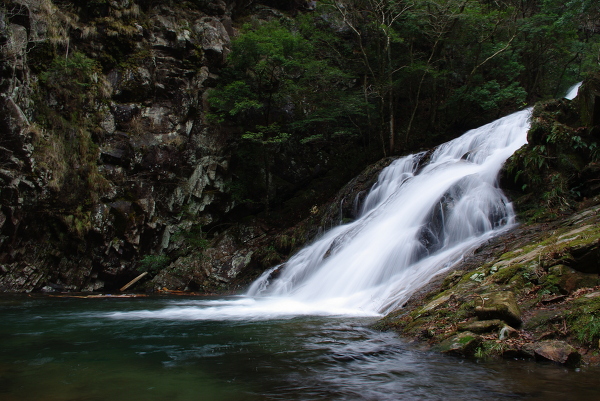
x=462 y=344
x=569 y=280
x=500 y=305
x=518 y=352
x=481 y=326
x=557 y=351
x=436 y=303
x=212 y=268
x=169 y=279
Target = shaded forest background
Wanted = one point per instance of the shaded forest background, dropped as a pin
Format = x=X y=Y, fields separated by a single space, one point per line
x=185 y=138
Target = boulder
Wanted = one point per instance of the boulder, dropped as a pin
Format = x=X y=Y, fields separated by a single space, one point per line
x=481 y=326
x=557 y=351
x=585 y=257
x=462 y=344
x=568 y=280
x=500 y=305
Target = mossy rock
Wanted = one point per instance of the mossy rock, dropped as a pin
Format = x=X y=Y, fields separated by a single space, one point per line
x=543 y=317
x=481 y=326
x=462 y=344
x=565 y=280
x=505 y=274
x=583 y=319
x=500 y=305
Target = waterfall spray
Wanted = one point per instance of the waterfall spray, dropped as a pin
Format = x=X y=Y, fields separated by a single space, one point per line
x=418 y=220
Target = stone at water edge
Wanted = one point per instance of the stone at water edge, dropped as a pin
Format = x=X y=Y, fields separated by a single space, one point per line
x=507 y=332
x=462 y=344
x=557 y=351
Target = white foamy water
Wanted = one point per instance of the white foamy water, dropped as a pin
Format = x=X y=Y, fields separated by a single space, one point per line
x=420 y=218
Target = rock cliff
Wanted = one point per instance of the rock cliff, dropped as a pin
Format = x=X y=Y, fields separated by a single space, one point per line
x=107 y=164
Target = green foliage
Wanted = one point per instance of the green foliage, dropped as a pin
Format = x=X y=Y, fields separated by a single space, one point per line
x=491 y=95
x=551 y=164
x=65 y=153
x=267 y=135
x=153 y=263
x=489 y=349
x=380 y=68
x=72 y=80
x=282 y=88
x=584 y=320
x=276 y=76
x=196 y=238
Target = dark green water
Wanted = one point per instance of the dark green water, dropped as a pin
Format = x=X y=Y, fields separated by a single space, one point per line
x=78 y=349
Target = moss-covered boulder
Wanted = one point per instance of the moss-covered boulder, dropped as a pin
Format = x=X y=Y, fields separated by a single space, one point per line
x=500 y=305
x=558 y=167
x=462 y=344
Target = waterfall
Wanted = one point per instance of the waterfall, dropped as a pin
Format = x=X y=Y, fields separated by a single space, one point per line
x=418 y=220
x=422 y=216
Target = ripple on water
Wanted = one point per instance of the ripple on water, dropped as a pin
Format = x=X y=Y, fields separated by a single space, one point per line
x=83 y=353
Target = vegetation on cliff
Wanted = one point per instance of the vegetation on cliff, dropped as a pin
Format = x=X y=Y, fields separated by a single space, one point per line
x=153 y=135
x=558 y=168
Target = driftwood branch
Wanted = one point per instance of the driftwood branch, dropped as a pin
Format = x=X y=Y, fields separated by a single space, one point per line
x=132 y=282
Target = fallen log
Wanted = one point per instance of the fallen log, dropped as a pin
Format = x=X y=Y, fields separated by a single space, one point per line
x=132 y=282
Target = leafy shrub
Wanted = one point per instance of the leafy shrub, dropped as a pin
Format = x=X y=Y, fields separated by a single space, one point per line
x=153 y=263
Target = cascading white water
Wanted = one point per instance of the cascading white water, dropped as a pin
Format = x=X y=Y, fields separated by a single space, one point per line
x=417 y=221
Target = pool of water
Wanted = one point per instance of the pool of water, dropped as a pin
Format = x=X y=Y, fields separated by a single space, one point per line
x=105 y=349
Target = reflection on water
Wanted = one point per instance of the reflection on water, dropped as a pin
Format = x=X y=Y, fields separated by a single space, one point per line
x=92 y=349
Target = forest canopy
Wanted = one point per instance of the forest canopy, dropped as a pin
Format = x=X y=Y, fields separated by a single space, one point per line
x=402 y=74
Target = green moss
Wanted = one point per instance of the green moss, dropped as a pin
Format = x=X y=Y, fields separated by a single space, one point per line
x=489 y=349
x=505 y=274
x=452 y=279
x=466 y=339
x=551 y=284
x=584 y=320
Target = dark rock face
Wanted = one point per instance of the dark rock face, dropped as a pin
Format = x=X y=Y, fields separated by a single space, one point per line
x=154 y=156
x=106 y=156
x=559 y=165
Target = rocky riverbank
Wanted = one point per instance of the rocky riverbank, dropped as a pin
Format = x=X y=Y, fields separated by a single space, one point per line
x=108 y=164
x=532 y=293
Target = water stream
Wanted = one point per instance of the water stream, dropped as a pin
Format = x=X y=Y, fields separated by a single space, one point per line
x=67 y=349
x=302 y=335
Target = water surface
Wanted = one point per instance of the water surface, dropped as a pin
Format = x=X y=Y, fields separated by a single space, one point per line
x=130 y=349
